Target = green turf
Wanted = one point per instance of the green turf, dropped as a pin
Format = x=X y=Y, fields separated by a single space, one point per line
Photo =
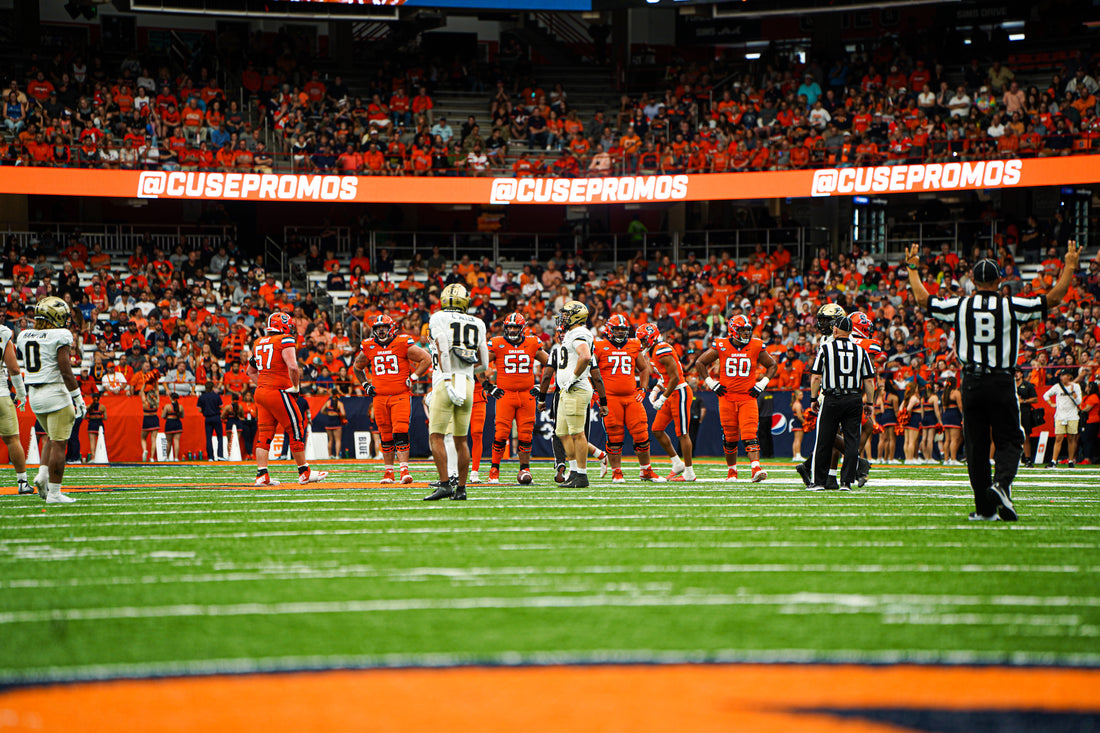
x=197 y=578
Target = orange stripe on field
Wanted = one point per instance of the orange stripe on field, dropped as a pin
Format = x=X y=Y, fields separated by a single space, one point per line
x=638 y=699
x=5 y=491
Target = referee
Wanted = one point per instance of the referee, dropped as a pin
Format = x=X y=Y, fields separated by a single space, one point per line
x=987 y=340
x=843 y=372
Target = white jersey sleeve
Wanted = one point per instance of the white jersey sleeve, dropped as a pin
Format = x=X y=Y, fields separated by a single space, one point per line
x=5 y=338
x=37 y=350
x=568 y=358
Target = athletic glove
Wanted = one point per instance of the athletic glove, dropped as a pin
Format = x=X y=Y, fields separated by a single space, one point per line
x=654 y=394
x=659 y=402
x=458 y=400
x=715 y=386
x=639 y=396
x=293 y=389
x=495 y=392
x=537 y=395
x=20 y=391
x=78 y=403
x=757 y=389
x=368 y=390
x=540 y=400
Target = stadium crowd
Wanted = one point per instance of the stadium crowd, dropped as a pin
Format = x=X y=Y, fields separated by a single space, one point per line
x=180 y=322
x=878 y=107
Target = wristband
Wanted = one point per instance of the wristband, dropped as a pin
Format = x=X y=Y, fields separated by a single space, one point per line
x=603 y=402
x=762 y=384
x=75 y=393
x=20 y=386
x=712 y=383
x=542 y=396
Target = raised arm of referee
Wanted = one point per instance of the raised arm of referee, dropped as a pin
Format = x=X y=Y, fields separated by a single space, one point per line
x=987 y=341
x=843 y=373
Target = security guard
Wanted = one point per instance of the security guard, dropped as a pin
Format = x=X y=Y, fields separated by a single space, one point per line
x=842 y=372
x=987 y=333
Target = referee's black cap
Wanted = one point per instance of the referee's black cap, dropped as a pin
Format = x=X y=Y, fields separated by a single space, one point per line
x=844 y=323
x=986 y=271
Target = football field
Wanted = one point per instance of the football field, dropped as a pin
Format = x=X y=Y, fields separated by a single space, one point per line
x=180 y=570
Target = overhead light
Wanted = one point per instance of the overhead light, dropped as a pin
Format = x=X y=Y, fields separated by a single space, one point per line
x=966 y=41
x=752 y=56
x=1017 y=36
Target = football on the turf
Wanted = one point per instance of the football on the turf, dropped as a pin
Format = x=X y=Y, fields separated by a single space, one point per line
x=524 y=478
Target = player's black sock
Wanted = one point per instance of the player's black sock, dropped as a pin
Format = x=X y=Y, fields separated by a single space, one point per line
x=261 y=472
x=303 y=469
x=496 y=466
x=525 y=466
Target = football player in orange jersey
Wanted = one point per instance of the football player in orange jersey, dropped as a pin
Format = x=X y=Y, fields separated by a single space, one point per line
x=738 y=356
x=477 y=426
x=671 y=398
x=862 y=334
x=394 y=362
x=619 y=358
x=274 y=368
x=514 y=355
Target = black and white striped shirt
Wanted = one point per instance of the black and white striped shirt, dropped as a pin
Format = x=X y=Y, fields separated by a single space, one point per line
x=987 y=326
x=842 y=364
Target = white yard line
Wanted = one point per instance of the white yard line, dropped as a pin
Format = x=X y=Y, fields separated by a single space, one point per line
x=841 y=602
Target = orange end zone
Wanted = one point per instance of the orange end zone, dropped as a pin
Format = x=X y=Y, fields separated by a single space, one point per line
x=748 y=698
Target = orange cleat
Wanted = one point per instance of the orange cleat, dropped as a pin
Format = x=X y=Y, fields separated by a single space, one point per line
x=387 y=477
x=731 y=474
x=617 y=476
x=406 y=477
x=266 y=480
x=494 y=475
x=647 y=474
x=758 y=475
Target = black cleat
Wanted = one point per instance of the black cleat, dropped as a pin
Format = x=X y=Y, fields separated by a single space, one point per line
x=1029 y=463
x=832 y=485
x=1005 y=510
x=571 y=481
x=441 y=491
x=804 y=474
x=975 y=517
x=845 y=487
x=459 y=494
x=560 y=476
x=580 y=481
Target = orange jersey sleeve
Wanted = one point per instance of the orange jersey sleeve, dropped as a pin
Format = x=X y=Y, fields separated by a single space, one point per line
x=617 y=365
x=269 y=362
x=515 y=363
x=389 y=365
x=661 y=350
x=737 y=366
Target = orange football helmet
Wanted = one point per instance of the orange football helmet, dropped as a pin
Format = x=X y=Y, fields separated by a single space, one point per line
x=618 y=329
x=514 y=326
x=280 y=323
x=739 y=329
x=648 y=334
x=383 y=329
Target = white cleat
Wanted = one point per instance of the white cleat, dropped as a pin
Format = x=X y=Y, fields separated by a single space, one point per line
x=677 y=471
x=474 y=478
x=758 y=475
x=56 y=497
x=41 y=483
x=604 y=466
x=312 y=477
x=25 y=487
x=266 y=480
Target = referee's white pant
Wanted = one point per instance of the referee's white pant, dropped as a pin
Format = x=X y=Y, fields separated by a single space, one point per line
x=838 y=412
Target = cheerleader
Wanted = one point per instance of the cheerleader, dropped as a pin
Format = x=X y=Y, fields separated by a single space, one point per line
x=886 y=407
x=796 y=424
x=95 y=422
x=951 y=412
x=173 y=424
x=930 y=421
x=233 y=417
x=334 y=418
x=913 y=410
x=150 y=424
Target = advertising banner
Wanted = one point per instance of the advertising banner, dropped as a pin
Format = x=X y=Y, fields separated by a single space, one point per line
x=293 y=187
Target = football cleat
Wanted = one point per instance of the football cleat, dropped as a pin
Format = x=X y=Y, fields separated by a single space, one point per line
x=523 y=477
x=459 y=494
x=604 y=466
x=731 y=474
x=387 y=477
x=25 y=488
x=440 y=491
x=266 y=480
x=56 y=497
x=677 y=471
x=311 y=477
x=1005 y=510
x=570 y=480
x=494 y=475
x=617 y=477
x=680 y=477
x=559 y=477
x=647 y=474
x=474 y=478
x=406 y=477
x=758 y=475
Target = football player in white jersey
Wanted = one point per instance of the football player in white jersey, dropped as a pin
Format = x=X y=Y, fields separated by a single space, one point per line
x=459 y=351
x=574 y=382
x=9 y=421
x=55 y=397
